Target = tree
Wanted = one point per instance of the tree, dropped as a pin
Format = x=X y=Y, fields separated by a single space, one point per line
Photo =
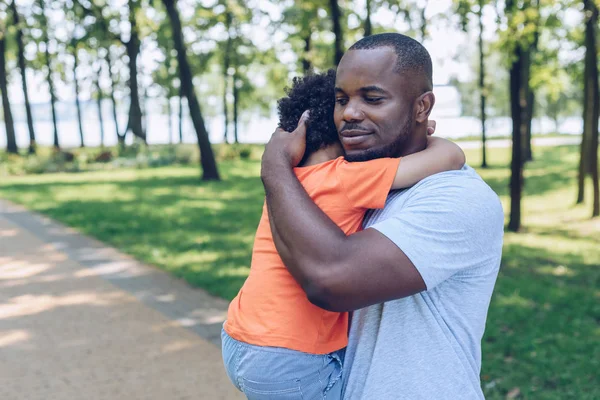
x=591 y=103
x=11 y=142
x=519 y=42
x=99 y=97
x=22 y=69
x=207 y=158
x=74 y=48
x=49 y=71
x=133 y=50
x=464 y=8
x=336 y=16
x=368 y=25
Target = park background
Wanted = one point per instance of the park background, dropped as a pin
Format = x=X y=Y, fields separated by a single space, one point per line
x=141 y=123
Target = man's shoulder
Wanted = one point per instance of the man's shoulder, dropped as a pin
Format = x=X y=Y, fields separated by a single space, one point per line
x=456 y=184
x=462 y=191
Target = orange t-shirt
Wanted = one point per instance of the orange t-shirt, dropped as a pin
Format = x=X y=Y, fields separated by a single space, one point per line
x=271 y=308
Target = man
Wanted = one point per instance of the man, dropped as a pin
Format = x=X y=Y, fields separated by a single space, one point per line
x=420 y=276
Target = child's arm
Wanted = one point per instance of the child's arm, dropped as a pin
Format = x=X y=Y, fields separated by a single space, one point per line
x=439 y=156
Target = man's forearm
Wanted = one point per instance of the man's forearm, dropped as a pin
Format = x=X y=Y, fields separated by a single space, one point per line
x=306 y=238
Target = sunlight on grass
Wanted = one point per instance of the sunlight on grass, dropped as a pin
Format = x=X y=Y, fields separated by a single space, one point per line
x=542 y=333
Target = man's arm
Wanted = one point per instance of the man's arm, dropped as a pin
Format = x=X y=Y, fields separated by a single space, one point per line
x=337 y=272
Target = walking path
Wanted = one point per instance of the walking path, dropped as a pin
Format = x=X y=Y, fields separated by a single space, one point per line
x=79 y=320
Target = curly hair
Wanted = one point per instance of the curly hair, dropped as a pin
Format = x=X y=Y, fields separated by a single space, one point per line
x=314 y=92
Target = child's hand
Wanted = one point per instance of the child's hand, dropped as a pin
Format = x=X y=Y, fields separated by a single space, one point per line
x=430 y=127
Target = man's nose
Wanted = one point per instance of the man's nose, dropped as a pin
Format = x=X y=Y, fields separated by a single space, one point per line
x=352 y=112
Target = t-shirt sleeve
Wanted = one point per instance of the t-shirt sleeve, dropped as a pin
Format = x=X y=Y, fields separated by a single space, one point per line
x=368 y=183
x=448 y=226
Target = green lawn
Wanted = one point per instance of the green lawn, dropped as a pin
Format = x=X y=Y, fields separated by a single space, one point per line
x=543 y=334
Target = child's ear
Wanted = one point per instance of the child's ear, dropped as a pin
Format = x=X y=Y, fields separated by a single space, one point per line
x=425 y=104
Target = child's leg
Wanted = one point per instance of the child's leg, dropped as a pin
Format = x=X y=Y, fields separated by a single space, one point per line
x=272 y=373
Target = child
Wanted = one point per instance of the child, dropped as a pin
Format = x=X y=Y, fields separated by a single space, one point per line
x=276 y=344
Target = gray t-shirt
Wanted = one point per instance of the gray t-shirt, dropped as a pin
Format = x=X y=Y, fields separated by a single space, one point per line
x=428 y=346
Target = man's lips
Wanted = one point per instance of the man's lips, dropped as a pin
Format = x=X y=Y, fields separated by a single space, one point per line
x=353 y=137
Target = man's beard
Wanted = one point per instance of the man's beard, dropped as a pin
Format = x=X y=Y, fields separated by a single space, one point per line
x=394 y=149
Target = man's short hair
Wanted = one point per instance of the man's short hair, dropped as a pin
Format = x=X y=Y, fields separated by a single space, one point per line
x=412 y=56
x=313 y=92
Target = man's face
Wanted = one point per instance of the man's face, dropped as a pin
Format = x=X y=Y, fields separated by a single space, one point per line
x=374 y=111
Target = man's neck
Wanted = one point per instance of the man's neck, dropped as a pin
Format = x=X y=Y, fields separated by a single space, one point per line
x=324 y=154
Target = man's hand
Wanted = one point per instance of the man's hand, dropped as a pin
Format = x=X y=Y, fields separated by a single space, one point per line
x=285 y=148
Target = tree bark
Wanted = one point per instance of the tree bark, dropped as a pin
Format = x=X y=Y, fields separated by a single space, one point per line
x=519 y=82
x=49 y=76
x=99 y=97
x=11 y=138
x=180 y=114
x=120 y=138
x=226 y=65
x=527 y=152
x=77 y=103
x=170 y=114
x=306 y=64
x=133 y=50
x=482 y=87
x=207 y=158
x=236 y=100
x=423 y=27
x=336 y=15
x=368 y=26
x=22 y=70
x=592 y=100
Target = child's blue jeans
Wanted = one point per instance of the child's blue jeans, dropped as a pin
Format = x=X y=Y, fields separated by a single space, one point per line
x=274 y=373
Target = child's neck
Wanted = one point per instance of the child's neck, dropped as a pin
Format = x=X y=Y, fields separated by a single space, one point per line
x=324 y=154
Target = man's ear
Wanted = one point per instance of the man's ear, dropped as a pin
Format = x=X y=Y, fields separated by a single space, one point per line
x=425 y=104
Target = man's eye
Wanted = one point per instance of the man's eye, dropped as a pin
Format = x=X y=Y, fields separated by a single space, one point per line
x=341 y=101
x=372 y=99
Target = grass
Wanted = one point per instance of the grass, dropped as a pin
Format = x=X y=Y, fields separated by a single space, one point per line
x=543 y=336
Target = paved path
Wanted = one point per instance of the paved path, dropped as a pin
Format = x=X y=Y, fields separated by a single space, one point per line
x=79 y=320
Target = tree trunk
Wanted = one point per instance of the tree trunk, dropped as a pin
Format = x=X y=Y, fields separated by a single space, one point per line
x=226 y=65
x=120 y=138
x=170 y=114
x=306 y=64
x=48 y=62
x=236 y=101
x=592 y=99
x=11 y=138
x=22 y=69
x=368 y=26
x=482 y=86
x=336 y=15
x=99 y=97
x=423 y=27
x=133 y=50
x=527 y=153
x=145 y=115
x=207 y=158
x=519 y=82
x=583 y=158
x=180 y=114
x=590 y=89
x=77 y=103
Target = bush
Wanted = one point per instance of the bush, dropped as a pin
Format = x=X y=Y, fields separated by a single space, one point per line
x=234 y=152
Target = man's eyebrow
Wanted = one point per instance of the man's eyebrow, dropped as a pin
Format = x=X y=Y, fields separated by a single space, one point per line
x=338 y=90
x=376 y=89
